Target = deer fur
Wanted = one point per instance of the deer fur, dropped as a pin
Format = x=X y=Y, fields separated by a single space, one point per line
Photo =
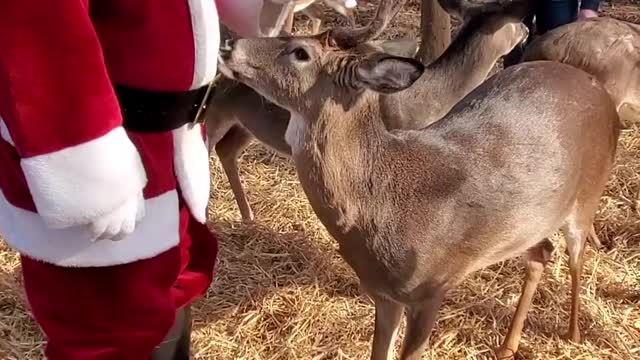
x=416 y=211
x=605 y=47
x=483 y=39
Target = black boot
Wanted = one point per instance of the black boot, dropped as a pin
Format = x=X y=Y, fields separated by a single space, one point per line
x=177 y=344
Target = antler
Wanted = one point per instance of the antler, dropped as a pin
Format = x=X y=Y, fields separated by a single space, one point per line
x=348 y=37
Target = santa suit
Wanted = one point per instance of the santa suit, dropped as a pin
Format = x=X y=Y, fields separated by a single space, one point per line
x=66 y=160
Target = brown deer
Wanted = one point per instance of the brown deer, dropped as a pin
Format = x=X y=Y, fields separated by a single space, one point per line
x=605 y=47
x=416 y=211
x=240 y=114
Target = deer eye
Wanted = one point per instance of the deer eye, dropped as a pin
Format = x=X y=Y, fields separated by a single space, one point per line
x=301 y=54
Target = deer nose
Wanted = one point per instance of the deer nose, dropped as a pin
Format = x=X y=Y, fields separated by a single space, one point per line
x=227 y=48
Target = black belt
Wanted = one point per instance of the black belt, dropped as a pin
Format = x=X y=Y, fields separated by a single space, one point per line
x=159 y=111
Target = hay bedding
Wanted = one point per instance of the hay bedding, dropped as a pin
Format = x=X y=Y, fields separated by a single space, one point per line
x=282 y=292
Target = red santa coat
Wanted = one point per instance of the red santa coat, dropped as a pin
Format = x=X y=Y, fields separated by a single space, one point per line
x=64 y=154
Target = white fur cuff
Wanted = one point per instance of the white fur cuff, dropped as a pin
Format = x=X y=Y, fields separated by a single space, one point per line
x=77 y=184
x=192 y=169
x=158 y=232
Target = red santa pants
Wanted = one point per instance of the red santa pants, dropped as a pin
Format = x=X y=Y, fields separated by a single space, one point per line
x=119 y=312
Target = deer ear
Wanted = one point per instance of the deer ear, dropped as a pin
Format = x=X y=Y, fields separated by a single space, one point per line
x=389 y=74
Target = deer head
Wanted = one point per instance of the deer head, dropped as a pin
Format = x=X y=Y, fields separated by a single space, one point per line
x=298 y=72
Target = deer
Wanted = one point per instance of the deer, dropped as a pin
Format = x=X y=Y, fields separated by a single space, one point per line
x=605 y=47
x=414 y=212
x=240 y=114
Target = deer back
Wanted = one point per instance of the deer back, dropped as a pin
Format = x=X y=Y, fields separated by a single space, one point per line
x=605 y=47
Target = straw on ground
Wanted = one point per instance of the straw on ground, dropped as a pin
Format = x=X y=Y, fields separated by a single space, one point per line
x=282 y=292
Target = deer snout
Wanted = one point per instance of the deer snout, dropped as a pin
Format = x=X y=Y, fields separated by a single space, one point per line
x=233 y=61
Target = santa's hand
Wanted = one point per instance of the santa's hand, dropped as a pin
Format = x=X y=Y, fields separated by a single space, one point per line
x=120 y=222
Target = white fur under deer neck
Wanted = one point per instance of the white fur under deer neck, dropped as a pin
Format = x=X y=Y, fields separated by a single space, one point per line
x=336 y=156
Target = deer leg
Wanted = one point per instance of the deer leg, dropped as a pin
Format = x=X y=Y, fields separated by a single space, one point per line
x=576 y=262
x=228 y=150
x=537 y=257
x=388 y=316
x=576 y=237
x=420 y=320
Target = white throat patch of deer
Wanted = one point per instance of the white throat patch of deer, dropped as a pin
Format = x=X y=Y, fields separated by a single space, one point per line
x=295 y=132
x=416 y=211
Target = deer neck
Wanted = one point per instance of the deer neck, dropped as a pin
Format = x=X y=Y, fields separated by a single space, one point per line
x=351 y=123
x=462 y=67
x=335 y=155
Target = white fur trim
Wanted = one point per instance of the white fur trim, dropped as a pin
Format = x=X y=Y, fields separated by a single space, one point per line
x=206 y=36
x=192 y=169
x=4 y=132
x=77 y=184
x=27 y=233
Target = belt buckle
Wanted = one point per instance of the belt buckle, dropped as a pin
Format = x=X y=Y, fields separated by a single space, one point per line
x=199 y=119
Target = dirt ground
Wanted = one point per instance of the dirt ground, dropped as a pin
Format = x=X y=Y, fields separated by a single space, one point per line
x=282 y=291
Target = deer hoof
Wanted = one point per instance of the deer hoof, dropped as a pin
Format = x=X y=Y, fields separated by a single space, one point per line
x=572 y=336
x=505 y=354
